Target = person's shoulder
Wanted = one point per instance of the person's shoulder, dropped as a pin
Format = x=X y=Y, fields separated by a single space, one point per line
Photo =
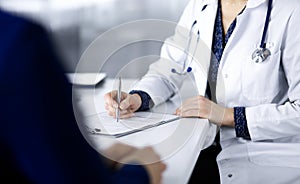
x=15 y=25
x=10 y=18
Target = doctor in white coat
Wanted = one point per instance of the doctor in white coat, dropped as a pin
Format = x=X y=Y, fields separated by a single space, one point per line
x=257 y=102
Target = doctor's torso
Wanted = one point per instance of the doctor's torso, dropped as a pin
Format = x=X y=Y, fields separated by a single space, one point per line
x=266 y=89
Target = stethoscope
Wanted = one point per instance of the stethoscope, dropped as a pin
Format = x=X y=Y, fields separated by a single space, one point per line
x=186 y=68
x=260 y=55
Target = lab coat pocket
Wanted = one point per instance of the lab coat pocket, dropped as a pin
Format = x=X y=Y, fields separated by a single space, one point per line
x=274 y=154
x=261 y=81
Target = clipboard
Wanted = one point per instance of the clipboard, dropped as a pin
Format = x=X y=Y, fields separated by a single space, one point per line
x=97 y=131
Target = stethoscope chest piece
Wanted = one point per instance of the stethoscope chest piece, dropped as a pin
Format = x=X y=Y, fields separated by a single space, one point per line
x=260 y=55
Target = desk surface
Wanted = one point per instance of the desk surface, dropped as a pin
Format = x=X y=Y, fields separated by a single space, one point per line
x=178 y=143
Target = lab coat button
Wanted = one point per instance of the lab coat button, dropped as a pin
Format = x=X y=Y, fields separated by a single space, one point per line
x=229 y=175
x=226 y=76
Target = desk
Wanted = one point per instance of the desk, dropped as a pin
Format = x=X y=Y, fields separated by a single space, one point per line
x=179 y=149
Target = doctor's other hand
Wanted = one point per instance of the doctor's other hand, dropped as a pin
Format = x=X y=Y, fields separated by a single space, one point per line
x=201 y=107
x=129 y=104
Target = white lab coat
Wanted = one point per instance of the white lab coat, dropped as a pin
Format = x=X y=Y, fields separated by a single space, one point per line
x=270 y=91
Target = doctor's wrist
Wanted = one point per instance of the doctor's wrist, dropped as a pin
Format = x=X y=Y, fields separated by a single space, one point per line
x=146 y=100
x=228 y=119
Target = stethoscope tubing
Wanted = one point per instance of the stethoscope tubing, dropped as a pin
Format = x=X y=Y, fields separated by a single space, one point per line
x=266 y=26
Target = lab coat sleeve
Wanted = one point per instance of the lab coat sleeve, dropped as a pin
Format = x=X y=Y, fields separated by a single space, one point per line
x=273 y=121
x=159 y=82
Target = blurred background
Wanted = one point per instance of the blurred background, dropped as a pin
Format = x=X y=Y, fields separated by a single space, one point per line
x=74 y=24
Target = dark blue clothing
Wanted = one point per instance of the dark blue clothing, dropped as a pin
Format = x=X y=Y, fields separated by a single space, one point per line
x=241 y=127
x=40 y=141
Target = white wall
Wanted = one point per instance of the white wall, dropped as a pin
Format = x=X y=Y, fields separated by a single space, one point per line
x=74 y=24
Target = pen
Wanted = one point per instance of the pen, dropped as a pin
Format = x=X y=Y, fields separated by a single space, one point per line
x=119 y=99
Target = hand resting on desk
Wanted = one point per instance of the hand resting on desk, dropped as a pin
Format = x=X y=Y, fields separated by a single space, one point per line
x=201 y=107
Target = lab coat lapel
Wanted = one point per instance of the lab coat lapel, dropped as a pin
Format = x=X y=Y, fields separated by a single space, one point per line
x=206 y=22
x=206 y=19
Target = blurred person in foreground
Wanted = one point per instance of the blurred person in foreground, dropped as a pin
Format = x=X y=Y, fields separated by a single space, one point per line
x=40 y=141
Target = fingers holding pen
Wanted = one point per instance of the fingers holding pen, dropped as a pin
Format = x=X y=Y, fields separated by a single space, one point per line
x=124 y=114
x=128 y=105
x=125 y=103
x=110 y=99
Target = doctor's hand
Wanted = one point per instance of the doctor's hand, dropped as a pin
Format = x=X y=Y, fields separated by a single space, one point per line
x=129 y=104
x=201 y=107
